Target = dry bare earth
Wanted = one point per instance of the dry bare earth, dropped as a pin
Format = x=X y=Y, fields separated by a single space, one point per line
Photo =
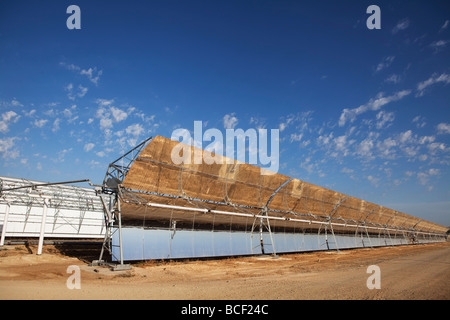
x=407 y=272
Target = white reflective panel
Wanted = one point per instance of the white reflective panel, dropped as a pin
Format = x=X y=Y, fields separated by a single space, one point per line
x=72 y=212
x=146 y=244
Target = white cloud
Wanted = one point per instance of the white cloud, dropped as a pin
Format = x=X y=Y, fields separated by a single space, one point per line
x=384 y=119
x=385 y=147
x=423 y=157
x=393 y=78
x=401 y=25
x=230 y=121
x=347 y=170
x=104 y=102
x=419 y=121
x=435 y=147
x=259 y=123
x=296 y=137
x=421 y=86
x=105 y=123
x=385 y=63
x=443 y=128
x=40 y=123
x=8 y=118
x=82 y=91
x=109 y=116
x=373 y=180
x=30 y=113
x=10 y=104
x=439 y=45
x=445 y=25
x=289 y=119
x=15 y=103
x=300 y=120
x=341 y=145
x=56 y=124
x=92 y=74
x=118 y=115
x=7 y=148
x=424 y=177
x=73 y=94
x=61 y=155
x=135 y=129
x=426 y=139
x=406 y=136
x=325 y=139
x=89 y=146
x=365 y=147
x=372 y=105
x=409 y=173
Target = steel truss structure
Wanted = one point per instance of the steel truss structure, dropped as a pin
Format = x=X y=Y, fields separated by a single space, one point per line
x=111 y=201
x=57 y=210
x=145 y=184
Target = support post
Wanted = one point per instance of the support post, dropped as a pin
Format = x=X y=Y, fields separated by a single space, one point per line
x=121 y=266
x=261 y=242
x=111 y=216
x=41 y=234
x=331 y=226
x=271 y=237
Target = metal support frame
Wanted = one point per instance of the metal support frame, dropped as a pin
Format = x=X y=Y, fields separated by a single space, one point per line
x=363 y=223
x=261 y=217
x=329 y=224
x=5 y=223
x=115 y=174
x=118 y=169
x=113 y=220
x=60 y=196
x=264 y=213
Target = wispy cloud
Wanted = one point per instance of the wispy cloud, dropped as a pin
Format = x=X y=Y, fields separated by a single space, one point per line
x=384 y=119
x=443 y=128
x=445 y=25
x=299 y=121
x=56 y=124
x=91 y=73
x=435 y=78
x=230 y=121
x=72 y=93
x=40 y=123
x=439 y=45
x=385 y=63
x=7 y=149
x=8 y=118
x=372 y=105
x=401 y=25
x=393 y=78
x=419 y=121
x=424 y=176
x=89 y=146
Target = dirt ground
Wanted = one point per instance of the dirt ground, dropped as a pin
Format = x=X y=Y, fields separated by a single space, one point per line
x=406 y=272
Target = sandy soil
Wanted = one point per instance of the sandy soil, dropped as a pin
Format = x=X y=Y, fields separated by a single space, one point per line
x=407 y=272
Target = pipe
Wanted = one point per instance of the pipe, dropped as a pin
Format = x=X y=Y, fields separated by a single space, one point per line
x=167 y=206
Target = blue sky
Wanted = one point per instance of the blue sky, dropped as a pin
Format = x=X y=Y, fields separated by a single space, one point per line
x=363 y=112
